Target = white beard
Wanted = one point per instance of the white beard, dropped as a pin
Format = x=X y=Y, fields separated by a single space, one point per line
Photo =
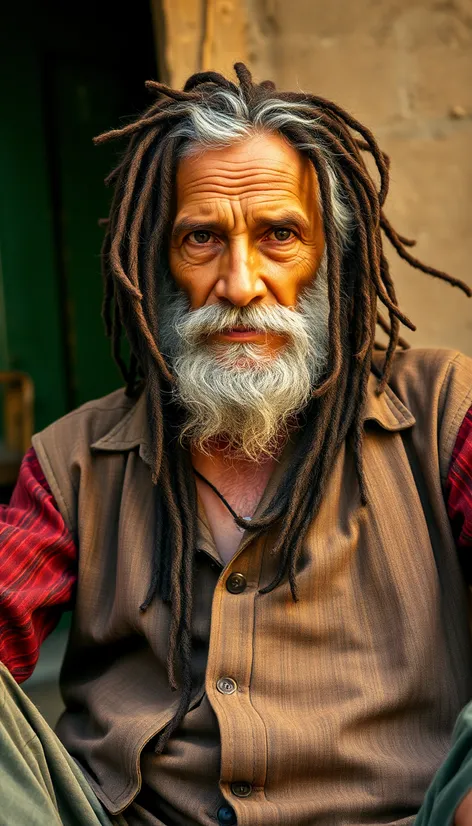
x=240 y=392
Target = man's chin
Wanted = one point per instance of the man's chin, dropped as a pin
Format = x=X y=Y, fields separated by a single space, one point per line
x=230 y=447
x=244 y=361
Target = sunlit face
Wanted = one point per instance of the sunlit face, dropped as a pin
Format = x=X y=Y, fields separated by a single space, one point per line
x=247 y=229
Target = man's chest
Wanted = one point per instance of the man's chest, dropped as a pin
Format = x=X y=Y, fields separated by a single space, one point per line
x=242 y=493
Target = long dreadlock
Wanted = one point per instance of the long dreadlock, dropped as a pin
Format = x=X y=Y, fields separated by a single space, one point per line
x=134 y=258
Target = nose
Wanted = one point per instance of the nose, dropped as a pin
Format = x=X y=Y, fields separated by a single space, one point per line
x=240 y=280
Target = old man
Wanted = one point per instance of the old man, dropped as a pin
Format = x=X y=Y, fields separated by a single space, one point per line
x=264 y=537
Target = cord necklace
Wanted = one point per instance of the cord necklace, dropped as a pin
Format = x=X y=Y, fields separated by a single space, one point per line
x=221 y=497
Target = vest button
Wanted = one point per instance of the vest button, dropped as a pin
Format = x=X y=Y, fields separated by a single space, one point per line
x=236 y=583
x=226 y=685
x=226 y=816
x=241 y=789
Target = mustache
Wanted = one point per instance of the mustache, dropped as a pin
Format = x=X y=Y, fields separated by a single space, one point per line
x=206 y=321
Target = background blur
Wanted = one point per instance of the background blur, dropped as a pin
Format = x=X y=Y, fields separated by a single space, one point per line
x=70 y=71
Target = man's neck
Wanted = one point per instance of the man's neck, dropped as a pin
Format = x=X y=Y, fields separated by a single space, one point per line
x=242 y=483
x=234 y=474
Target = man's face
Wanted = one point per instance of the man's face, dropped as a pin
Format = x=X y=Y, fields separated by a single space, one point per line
x=247 y=332
x=247 y=229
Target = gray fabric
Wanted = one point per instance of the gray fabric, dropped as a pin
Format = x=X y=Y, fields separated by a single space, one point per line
x=40 y=783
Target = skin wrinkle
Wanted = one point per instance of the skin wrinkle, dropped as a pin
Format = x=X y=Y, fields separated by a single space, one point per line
x=284 y=218
x=229 y=197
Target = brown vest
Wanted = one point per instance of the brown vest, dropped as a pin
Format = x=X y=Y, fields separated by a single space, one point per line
x=346 y=700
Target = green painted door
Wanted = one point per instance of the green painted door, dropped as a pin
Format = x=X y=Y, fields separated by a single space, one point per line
x=64 y=78
x=86 y=100
x=29 y=298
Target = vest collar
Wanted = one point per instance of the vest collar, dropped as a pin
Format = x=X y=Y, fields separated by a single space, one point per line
x=128 y=433
x=386 y=410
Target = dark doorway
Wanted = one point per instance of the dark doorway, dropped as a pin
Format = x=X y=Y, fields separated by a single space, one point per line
x=70 y=71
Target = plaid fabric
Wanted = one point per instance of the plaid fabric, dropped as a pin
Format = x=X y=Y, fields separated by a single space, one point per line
x=37 y=569
x=38 y=559
x=459 y=486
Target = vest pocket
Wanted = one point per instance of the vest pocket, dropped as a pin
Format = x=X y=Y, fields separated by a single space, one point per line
x=116 y=791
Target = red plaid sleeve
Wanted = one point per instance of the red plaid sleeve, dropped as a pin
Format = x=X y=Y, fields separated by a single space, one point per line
x=37 y=569
x=459 y=486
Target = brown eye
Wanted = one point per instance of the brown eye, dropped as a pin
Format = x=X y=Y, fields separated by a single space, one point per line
x=282 y=234
x=200 y=236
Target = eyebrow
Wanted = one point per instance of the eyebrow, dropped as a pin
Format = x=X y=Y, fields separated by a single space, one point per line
x=284 y=217
x=191 y=224
x=278 y=219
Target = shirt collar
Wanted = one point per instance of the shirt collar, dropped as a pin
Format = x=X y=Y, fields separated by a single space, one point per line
x=385 y=409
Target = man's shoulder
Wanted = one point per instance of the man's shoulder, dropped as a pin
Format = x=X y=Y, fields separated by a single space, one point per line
x=436 y=387
x=65 y=449
x=422 y=376
x=428 y=364
x=91 y=421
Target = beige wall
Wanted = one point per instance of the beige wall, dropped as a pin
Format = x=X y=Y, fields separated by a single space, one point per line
x=404 y=68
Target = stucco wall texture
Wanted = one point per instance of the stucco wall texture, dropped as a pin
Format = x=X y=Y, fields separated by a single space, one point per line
x=402 y=67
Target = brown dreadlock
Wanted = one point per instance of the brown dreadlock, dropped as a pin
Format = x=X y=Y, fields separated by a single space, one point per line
x=134 y=263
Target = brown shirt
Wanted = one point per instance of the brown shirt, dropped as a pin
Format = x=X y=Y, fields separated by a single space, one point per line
x=335 y=710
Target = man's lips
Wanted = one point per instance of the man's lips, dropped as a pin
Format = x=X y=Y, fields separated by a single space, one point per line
x=241 y=334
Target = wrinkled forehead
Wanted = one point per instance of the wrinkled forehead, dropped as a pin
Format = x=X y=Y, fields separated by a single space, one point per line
x=263 y=167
